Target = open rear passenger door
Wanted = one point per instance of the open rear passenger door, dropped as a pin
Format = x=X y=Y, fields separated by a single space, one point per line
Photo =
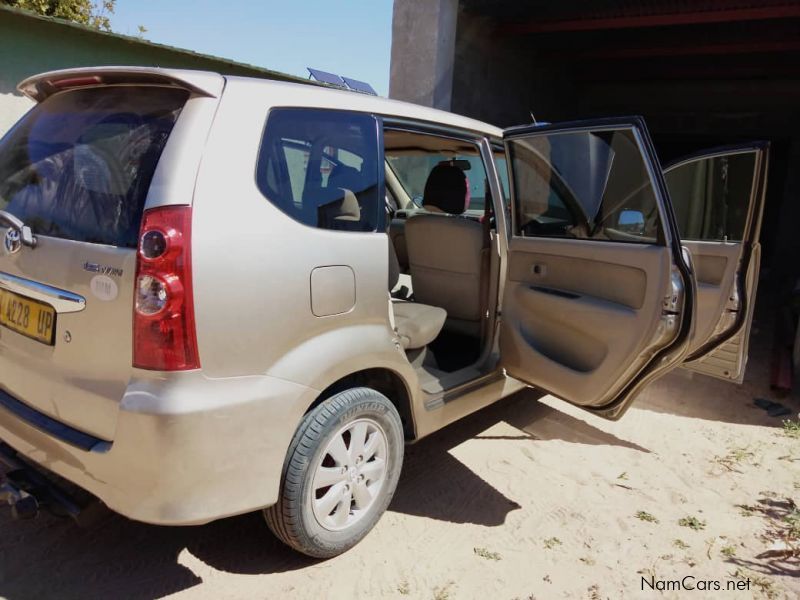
x=598 y=297
x=718 y=198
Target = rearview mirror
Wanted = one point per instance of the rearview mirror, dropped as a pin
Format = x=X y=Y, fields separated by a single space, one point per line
x=461 y=163
x=631 y=221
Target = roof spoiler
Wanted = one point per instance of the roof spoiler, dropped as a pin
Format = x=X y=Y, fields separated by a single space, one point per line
x=40 y=87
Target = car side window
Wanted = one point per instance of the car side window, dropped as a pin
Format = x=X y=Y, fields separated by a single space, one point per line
x=711 y=196
x=585 y=184
x=321 y=168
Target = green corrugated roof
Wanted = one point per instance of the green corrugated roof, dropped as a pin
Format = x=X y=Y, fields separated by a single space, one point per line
x=256 y=71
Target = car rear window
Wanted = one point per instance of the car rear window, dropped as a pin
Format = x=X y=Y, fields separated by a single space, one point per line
x=78 y=165
x=321 y=168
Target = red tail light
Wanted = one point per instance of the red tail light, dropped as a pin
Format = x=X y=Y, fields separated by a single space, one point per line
x=164 y=336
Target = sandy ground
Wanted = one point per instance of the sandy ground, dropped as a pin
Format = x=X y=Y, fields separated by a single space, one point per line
x=527 y=499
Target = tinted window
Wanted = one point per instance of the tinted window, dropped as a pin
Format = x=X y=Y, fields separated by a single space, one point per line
x=320 y=167
x=79 y=165
x=711 y=196
x=592 y=185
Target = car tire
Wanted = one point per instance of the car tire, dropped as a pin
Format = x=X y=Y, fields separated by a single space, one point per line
x=340 y=473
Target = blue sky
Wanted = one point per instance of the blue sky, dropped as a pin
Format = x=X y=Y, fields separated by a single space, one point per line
x=348 y=37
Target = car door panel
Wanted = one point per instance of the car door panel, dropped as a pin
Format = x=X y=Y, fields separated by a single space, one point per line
x=587 y=317
x=725 y=250
x=715 y=270
x=582 y=317
x=565 y=265
x=729 y=359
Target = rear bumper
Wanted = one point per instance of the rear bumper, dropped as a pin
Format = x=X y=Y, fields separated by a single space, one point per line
x=187 y=449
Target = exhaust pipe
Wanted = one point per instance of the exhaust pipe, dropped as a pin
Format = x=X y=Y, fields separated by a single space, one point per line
x=27 y=490
x=23 y=505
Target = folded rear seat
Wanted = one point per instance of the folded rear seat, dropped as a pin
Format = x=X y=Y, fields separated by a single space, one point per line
x=417 y=324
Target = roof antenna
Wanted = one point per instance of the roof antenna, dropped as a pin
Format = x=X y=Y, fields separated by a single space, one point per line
x=533 y=118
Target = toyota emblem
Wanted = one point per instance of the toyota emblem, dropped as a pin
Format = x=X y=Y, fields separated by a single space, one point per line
x=12 y=242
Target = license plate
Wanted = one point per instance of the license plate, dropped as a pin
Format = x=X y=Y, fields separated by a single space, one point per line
x=29 y=317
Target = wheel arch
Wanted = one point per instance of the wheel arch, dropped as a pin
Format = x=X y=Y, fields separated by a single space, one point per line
x=386 y=381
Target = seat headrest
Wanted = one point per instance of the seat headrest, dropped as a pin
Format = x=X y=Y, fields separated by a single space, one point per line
x=343 y=213
x=343 y=176
x=446 y=189
x=348 y=209
x=344 y=208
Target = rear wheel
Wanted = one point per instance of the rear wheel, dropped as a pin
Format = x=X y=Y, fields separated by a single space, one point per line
x=340 y=473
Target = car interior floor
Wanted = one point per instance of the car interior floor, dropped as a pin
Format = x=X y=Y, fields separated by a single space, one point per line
x=454 y=351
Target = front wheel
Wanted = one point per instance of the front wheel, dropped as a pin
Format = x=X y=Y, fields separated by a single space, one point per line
x=340 y=473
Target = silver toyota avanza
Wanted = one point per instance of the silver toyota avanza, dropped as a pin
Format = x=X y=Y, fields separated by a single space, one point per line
x=221 y=295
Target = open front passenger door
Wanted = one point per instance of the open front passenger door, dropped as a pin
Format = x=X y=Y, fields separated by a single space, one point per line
x=718 y=197
x=598 y=297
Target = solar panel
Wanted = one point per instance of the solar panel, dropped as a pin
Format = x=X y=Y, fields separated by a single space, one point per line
x=326 y=77
x=359 y=86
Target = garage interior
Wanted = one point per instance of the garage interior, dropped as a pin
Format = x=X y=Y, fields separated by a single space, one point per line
x=703 y=73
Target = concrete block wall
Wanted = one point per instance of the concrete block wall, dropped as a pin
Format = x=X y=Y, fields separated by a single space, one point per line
x=423 y=43
x=449 y=58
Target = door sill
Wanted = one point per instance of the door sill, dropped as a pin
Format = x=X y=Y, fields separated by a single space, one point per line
x=437 y=399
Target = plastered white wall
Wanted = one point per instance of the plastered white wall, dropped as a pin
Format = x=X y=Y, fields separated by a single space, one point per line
x=12 y=107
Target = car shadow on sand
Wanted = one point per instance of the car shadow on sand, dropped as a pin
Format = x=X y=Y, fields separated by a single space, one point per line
x=49 y=557
x=53 y=558
x=437 y=485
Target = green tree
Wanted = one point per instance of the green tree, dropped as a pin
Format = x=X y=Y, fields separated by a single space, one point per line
x=86 y=12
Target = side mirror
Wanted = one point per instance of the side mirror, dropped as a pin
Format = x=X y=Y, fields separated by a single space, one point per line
x=631 y=221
